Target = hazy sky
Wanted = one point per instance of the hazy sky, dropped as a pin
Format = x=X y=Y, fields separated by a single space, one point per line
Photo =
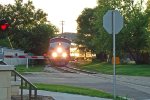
x=58 y=10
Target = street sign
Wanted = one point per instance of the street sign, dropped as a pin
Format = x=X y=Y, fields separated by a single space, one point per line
x=113 y=21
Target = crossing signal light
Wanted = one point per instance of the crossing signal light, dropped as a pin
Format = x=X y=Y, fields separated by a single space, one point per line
x=3 y=25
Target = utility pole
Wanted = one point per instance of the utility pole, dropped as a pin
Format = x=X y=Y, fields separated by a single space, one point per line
x=62 y=26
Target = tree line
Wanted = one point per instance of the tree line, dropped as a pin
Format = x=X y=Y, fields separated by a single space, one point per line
x=134 y=39
x=29 y=28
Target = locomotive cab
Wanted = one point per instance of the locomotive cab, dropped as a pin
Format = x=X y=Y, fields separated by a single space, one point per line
x=59 y=51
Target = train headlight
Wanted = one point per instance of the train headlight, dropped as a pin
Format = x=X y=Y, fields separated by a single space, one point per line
x=59 y=50
x=64 y=55
x=54 y=54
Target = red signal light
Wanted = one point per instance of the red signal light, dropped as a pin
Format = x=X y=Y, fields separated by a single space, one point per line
x=3 y=24
x=3 y=27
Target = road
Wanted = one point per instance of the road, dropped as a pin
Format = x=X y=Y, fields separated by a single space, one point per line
x=134 y=87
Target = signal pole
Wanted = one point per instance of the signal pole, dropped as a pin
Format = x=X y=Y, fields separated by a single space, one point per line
x=62 y=26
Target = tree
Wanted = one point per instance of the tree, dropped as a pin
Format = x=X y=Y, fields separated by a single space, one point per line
x=132 y=40
x=90 y=29
x=29 y=29
x=85 y=28
x=36 y=40
x=148 y=25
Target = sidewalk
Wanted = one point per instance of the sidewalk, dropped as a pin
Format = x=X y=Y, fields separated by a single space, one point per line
x=65 y=96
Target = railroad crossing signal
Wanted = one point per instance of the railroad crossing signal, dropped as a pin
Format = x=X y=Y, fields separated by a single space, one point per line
x=3 y=25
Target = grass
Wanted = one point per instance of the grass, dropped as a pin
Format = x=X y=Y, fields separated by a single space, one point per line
x=74 y=90
x=35 y=68
x=125 y=69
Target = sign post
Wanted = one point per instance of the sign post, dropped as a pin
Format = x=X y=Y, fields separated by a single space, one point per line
x=113 y=23
x=27 y=61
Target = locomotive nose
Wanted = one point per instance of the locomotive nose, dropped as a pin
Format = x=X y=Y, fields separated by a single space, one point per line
x=59 y=50
x=54 y=55
x=64 y=54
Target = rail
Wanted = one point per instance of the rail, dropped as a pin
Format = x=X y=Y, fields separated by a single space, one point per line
x=26 y=84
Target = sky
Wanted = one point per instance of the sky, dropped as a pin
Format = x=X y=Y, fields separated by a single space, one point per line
x=61 y=10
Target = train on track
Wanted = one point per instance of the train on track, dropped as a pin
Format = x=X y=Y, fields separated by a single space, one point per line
x=59 y=51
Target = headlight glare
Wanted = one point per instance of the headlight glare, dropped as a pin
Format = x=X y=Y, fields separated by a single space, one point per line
x=54 y=54
x=64 y=54
x=59 y=50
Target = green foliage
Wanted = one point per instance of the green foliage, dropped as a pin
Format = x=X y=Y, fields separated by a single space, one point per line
x=85 y=28
x=73 y=90
x=134 y=39
x=148 y=29
x=91 y=32
x=29 y=29
x=36 y=40
x=22 y=68
x=4 y=43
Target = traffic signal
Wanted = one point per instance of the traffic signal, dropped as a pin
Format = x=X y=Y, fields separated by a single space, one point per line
x=3 y=25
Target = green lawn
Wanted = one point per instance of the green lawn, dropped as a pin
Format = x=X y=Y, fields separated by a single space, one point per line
x=126 y=69
x=75 y=90
x=35 y=68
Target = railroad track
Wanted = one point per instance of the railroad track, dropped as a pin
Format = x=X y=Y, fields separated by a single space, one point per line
x=71 y=69
x=64 y=69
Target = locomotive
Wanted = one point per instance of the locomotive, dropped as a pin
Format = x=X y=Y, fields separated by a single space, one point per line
x=59 y=51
